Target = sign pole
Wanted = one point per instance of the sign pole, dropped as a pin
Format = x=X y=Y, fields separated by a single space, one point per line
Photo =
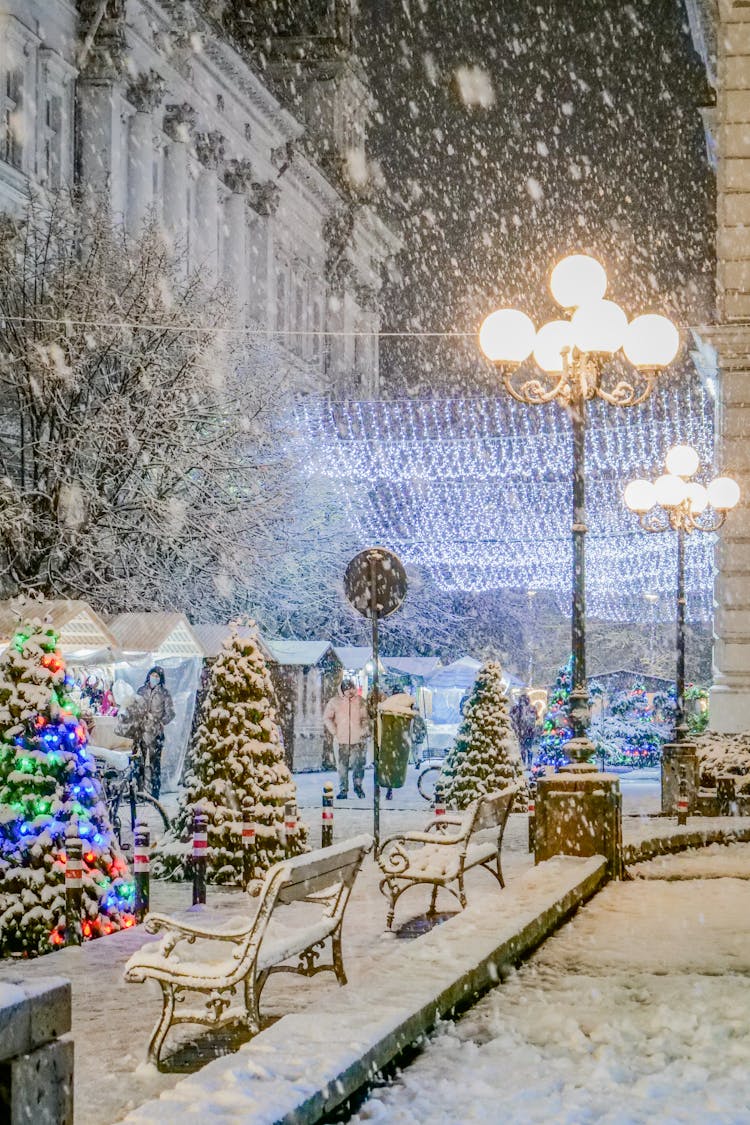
x=375 y=700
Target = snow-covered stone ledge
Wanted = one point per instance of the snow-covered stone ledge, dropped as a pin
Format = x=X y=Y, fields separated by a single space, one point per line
x=308 y=1063
x=36 y=1065
x=649 y=837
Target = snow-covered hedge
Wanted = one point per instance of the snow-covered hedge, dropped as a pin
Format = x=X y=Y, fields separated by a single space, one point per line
x=723 y=753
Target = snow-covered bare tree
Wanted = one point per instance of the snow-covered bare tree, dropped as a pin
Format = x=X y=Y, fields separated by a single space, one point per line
x=142 y=461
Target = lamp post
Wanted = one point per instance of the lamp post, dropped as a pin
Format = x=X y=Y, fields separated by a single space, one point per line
x=676 y=502
x=595 y=353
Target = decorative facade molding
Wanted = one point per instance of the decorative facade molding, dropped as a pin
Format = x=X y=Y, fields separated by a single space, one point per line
x=106 y=57
x=265 y=197
x=179 y=122
x=209 y=148
x=238 y=176
x=146 y=91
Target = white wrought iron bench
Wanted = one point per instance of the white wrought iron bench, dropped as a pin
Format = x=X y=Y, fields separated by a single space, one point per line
x=230 y=964
x=448 y=848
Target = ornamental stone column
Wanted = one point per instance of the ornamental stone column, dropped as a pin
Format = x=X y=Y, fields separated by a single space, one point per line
x=101 y=151
x=730 y=695
x=209 y=149
x=238 y=178
x=263 y=200
x=145 y=95
x=179 y=122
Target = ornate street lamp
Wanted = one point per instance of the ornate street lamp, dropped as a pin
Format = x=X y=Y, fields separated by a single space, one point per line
x=579 y=359
x=676 y=502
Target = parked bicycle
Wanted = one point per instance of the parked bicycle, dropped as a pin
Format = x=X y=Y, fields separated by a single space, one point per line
x=127 y=802
x=428 y=778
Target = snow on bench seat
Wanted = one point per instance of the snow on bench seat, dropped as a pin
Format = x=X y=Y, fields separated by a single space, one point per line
x=231 y=961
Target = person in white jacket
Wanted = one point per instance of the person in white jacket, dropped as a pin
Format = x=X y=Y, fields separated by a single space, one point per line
x=346 y=718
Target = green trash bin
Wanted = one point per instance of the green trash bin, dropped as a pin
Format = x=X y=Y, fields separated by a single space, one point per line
x=396 y=715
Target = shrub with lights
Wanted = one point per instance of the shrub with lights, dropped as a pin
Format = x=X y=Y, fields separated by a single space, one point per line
x=485 y=755
x=48 y=785
x=557 y=728
x=631 y=732
x=237 y=754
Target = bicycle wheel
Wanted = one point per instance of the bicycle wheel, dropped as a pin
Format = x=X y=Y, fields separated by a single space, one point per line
x=427 y=781
x=148 y=811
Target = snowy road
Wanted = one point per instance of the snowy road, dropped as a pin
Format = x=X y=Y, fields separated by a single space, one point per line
x=637 y=1011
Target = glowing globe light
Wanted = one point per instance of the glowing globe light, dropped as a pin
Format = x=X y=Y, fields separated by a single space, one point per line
x=640 y=495
x=682 y=461
x=651 y=341
x=550 y=341
x=507 y=336
x=578 y=280
x=670 y=491
x=697 y=496
x=723 y=493
x=599 y=326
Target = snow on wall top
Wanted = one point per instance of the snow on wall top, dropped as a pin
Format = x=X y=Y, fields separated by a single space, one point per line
x=162 y=634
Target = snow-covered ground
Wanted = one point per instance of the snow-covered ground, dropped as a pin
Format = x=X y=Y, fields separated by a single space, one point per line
x=637 y=1011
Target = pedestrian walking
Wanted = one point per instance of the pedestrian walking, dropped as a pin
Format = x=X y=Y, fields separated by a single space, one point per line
x=346 y=718
x=158 y=711
x=524 y=720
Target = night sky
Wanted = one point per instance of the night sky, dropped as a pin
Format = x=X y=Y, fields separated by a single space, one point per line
x=584 y=133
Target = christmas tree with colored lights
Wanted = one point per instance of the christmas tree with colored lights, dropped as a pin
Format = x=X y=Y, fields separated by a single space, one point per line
x=557 y=728
x=485 y=756
x=237 y=754
x=48 y=786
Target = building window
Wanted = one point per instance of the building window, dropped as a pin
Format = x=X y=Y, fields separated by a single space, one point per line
x=11 y=140
x=52 y=140
x=316 y=329
x=281 y=320
x=299 y=318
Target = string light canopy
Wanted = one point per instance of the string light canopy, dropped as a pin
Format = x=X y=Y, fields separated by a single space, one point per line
x=474 y=491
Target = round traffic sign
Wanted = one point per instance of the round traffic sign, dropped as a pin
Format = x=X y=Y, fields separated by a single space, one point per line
x=378 y=565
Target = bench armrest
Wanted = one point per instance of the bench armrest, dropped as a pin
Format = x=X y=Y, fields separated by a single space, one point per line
x=172 y=926
x=457 y=821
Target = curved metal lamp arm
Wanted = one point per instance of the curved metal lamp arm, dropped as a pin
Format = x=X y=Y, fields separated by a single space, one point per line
x=532 y=391
x=630 y=392
x=710 y=520
x=655 y=520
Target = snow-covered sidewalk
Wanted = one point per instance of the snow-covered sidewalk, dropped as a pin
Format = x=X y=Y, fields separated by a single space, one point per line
x=635 y=1012
x=112 y=1020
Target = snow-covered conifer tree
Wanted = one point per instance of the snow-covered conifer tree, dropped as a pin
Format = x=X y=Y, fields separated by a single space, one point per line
x=484 y=756
x=46 y=780
x=237 y=753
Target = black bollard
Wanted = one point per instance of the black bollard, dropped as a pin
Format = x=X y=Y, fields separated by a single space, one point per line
x=73 y=885
x=248 y=841
x=532 y=816
x=200 y=844
x=326 y=830
x=439 y=803
x=141 y=869
x=682 y=800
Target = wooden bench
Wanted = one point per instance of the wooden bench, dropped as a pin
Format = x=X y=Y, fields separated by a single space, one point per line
x=229 y=963
x=440 y=857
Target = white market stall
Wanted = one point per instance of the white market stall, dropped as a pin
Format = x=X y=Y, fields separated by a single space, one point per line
x=167 y=640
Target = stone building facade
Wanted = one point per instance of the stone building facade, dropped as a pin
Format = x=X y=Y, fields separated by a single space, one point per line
x=170 y=108
x=721 y=33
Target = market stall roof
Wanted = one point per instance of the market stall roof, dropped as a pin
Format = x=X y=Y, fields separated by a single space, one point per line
x=299 y=652
x=160 y=634
x=419 y=666
x=212 y=638
x=354 y=657
x=81 y=631
x=460 y=674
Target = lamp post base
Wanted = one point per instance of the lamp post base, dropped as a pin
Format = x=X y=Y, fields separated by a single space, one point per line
x=579 y=812
x=580 y=751
x=676 y=758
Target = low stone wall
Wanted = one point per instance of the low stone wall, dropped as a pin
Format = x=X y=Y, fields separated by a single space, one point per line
x=36 y=1065
x=309 y=1063
x=679 y=839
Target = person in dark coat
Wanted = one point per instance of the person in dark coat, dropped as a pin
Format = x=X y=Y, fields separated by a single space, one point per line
x=158 y=710
x=523 y=719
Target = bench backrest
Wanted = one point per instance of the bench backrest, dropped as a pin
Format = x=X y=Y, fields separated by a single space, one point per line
x=324 y=869
x=493 y=809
